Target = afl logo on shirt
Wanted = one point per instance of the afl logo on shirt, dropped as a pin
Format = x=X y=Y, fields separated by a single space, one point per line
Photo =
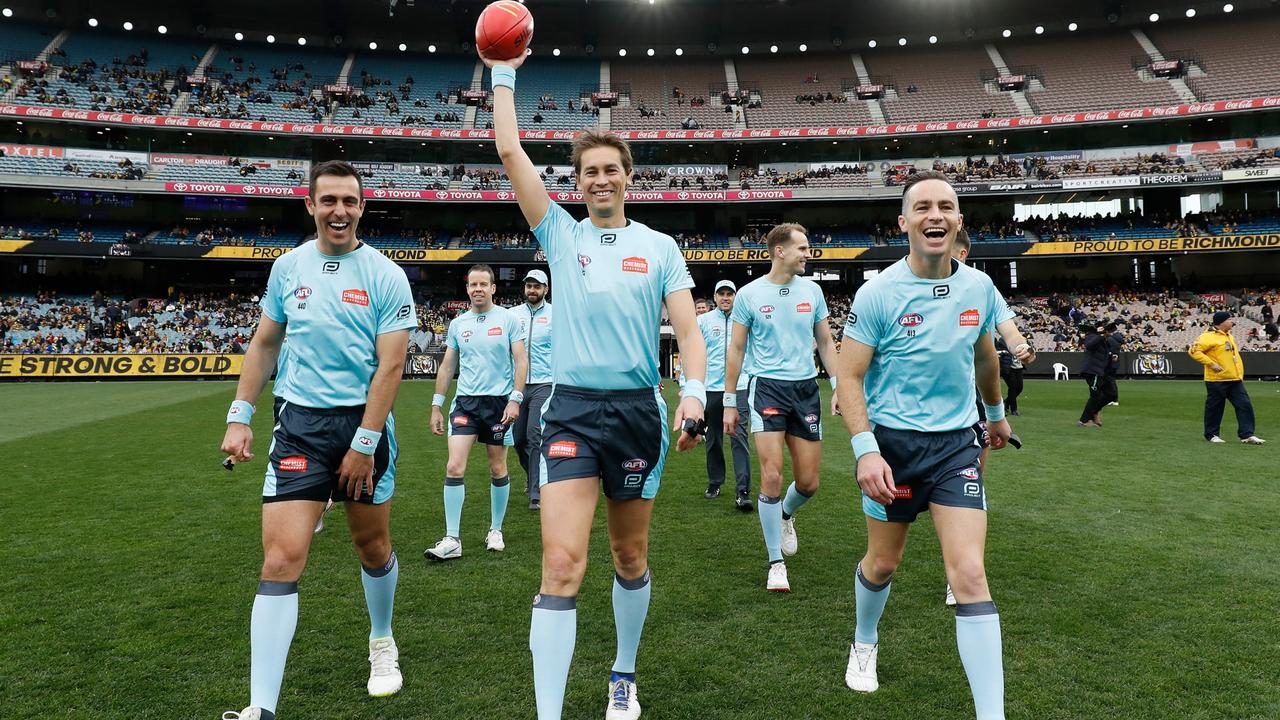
x=911 y=320
x=766 y=309
x=969 y=318
x=584 y=260
x=302 y=293
x=466 y=334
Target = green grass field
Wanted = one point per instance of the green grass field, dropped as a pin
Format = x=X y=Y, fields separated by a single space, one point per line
x=1135 y=567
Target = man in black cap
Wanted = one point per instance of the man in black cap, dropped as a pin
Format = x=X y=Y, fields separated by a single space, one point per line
x=1224 y=380
x=1096 y=358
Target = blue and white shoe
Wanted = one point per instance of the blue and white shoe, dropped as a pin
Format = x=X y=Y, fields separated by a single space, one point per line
x=623 y=704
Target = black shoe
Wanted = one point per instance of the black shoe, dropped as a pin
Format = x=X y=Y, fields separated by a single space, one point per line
x=535 y=504
x=713 y=492
x=744 y=503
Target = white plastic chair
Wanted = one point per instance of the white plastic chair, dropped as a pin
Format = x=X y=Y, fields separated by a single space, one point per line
x=1060 y=371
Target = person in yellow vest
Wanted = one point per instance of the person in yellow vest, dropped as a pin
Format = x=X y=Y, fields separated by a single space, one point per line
x=1224 y=380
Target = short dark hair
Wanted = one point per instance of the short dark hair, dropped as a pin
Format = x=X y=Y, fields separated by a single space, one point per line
x=917 y=178
x=589 y=139
x=481 y=267
x=782 y=233
x=1111 y=327
x=339 y=168
x=962 y=239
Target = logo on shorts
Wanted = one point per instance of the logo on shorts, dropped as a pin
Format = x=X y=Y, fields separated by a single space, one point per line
x=499 y=428
x=902 y=492
x=562 y=449
x=972 y=489
x=770 y=412
x=635 y=465
x=302 y=293
x=804 y=307
x=356 y=297
x=635 y=265
x=461 y=420
x=969 y=472
x=911 y=320
x=811 y=418
x=495 y=331
x=293 y=463
x=969 y=318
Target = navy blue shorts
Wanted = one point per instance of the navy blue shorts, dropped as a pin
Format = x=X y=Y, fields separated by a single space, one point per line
x=618 y=435
x=480 y=415
x=939 y=467
x=790 y=406
x=307 y=448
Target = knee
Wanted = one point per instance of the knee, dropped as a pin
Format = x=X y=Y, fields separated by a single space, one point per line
x=456 y=468
x=808 y=485
x=631 y=559
x=375 y=551
x=498 y=469
x=879 y=567
x=283 y=564
x=562 y=571
x=968 y=577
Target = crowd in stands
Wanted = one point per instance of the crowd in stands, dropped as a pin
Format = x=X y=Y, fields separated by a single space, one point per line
x=748 y=177
x=474 y=237
x=123 y=85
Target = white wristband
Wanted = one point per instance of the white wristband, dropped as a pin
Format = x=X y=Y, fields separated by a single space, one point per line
x=437 y=400
x=731 y=400
x=240 y=411
x=864 y=443
x=694 y=388
x=995 y=413
x=516 y=396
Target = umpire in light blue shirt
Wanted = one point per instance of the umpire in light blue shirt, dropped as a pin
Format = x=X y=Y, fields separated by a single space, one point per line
x=535 y=321
x=716 y=326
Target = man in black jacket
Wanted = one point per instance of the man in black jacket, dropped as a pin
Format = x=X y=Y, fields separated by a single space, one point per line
x=1096 y=358
x=1115 y=344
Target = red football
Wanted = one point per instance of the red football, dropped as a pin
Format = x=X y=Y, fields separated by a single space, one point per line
x=503 y=30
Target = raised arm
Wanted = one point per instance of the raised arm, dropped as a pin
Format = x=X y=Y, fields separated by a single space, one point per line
x=530 y=192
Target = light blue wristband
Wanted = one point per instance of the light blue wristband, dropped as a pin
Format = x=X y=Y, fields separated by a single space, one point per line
x=365 y=441
x=731 y=400
x=516 y=397
x=995 y=413
x=695 y=388
x=241 y=411
x=833 y=383
x=437 y=400
x=503 y=76
x=863 y=443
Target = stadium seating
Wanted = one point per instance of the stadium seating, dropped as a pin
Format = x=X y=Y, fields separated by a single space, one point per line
x=58 y=166
x=653 y=84
x=1089 y=72
x=562 y=81
x=938 y=84
x=1240 y=58
x=282 y=75
x=228 y=174
x=20 y=41
x=374 y=73
x=1240 y=158
x=781 y=80
x=107 y=47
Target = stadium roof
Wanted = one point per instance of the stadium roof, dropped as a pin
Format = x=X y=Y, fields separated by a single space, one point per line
x=695 y=25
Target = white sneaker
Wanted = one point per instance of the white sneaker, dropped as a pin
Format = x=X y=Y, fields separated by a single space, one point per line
x=493 y=541
x=384 y=668
x=1216 y=439
x=623 y=703
x=950 y=599
x=861 y=673
x=777 y=581
x=1114 y=404
x=1253 y=440
x=449 y=548
x=320 y=522
x=789 y=540
x=249 y=713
